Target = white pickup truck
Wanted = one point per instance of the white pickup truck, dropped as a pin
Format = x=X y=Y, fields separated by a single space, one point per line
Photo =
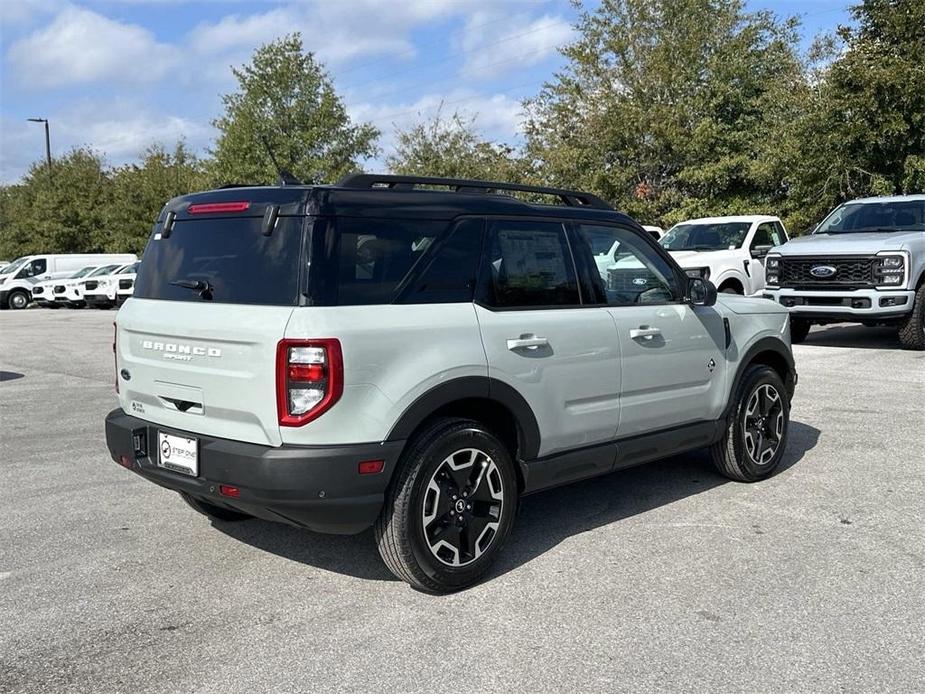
x=728 y=251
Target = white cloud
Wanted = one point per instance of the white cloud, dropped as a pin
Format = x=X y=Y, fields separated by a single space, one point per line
x=495 y=47
x=81 y=46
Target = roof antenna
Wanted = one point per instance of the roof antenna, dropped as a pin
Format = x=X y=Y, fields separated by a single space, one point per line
x=284 y=177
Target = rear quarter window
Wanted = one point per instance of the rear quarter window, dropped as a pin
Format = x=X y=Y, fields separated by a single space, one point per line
x=239 y=263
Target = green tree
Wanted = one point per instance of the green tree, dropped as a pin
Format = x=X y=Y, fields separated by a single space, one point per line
x=140 y=190
x=667 y=107
x=452 y=148
x=60 y=210
x=286 y=104
x=863 y=132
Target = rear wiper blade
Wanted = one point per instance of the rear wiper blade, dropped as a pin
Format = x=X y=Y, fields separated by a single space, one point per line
x=201 y=286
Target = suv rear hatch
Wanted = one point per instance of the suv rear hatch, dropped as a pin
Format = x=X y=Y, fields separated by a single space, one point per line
x=196 y=346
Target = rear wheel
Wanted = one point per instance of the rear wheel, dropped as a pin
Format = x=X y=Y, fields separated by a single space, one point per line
x=212 y=511
x=799 y=329
x=912 y=330
x=450 y=507
x=18 y=299
x=756 y=435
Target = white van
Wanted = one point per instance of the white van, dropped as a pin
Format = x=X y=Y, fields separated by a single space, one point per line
x=18 y=278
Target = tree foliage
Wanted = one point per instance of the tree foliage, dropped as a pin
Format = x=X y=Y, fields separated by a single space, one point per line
x=286 y=109
x=665 y=107
x=452 y=148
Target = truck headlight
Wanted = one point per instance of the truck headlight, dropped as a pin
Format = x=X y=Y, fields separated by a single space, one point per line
x=772 y=271
x=890 y=271
x=698 y=272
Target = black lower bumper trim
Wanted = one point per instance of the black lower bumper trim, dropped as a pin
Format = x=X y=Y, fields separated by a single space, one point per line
x=315 y=487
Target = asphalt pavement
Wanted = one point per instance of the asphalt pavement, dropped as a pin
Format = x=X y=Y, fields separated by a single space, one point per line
x=661 y=578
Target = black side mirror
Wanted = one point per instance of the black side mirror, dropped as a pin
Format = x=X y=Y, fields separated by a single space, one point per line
x=700 y=292
x=760 y=251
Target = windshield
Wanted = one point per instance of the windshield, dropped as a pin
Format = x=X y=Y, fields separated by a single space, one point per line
x=14 y=266
x=83 y=272
x=105 y=270
x=129 y=269
x=899 y=215
x=717 y=236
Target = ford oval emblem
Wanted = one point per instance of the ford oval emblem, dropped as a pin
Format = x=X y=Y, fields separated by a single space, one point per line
x=640 y=280
x=822 y=271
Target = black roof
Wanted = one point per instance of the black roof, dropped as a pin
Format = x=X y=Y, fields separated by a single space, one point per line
x=407 y=197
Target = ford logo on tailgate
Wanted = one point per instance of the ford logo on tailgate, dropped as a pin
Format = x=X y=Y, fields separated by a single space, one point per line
x=822 y=271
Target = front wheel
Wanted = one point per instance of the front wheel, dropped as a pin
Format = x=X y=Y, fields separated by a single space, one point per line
x=912 y=330
x=450 y=507
x=756 y=433
x=18 y=300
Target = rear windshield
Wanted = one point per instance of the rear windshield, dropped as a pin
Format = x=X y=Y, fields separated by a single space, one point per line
x=230 y=257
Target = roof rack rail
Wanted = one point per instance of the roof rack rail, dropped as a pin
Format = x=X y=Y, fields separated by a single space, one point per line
x=571 y=198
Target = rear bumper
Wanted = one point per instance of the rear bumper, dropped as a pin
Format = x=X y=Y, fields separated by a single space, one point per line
x=844 y=305
x=315 y=487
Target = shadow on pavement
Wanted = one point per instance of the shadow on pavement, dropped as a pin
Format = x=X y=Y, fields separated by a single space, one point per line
x=545 y=519
x=854 y=335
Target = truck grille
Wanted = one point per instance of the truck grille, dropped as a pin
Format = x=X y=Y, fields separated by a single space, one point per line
x=850 y=272
x=90 y=285
x=635 y=280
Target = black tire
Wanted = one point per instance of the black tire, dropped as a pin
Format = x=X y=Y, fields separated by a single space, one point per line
x=18 y=299
x=730 y=290
x=732 y=455
x=212 y=511
x=412 y=546
x=912 y=330
x=799 y=329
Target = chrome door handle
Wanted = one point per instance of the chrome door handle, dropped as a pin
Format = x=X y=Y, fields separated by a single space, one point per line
x=528 y=341
x=644 y=331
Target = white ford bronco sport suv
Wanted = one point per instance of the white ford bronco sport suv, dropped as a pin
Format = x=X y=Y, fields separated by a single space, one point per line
x=728 y=251
x=864 y=263
x=414 y=354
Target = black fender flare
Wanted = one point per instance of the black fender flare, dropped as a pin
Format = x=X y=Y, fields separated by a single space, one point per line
x=472 y=387
x=765 y=344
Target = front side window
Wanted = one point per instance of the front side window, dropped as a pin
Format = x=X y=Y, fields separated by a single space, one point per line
x=33 y=269
x=767 y=234
x=706 y=236
x=636 y=274
x=528 y=264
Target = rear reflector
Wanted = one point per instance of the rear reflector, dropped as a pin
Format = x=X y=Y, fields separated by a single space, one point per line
x=213 y=207
x=371 y=467
x=228 y=490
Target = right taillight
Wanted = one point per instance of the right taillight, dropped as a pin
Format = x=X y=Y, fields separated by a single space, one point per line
x=309 y=379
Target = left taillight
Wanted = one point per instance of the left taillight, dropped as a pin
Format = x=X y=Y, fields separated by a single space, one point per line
x=115 y=357
x=309 y=379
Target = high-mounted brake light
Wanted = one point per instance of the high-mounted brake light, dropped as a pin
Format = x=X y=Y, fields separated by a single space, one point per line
x=213 y=207
x=309 y=379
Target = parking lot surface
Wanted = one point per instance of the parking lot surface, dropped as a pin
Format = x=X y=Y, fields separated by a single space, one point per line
x=664 y=577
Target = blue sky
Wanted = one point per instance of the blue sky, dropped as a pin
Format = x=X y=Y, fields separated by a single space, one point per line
x=119 y=75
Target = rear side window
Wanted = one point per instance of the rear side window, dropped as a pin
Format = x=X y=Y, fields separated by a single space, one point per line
x=449 y=270
x=364 y=261
x=239 y=264
x=528 y=264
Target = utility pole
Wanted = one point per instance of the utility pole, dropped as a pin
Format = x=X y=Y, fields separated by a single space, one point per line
x=47 y=139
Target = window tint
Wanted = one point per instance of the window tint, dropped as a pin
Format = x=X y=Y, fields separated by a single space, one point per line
x=240 y=264
x=528 y=264
x=367 y=261
x=631 y=273
x=450 y=268
x=766 y=235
